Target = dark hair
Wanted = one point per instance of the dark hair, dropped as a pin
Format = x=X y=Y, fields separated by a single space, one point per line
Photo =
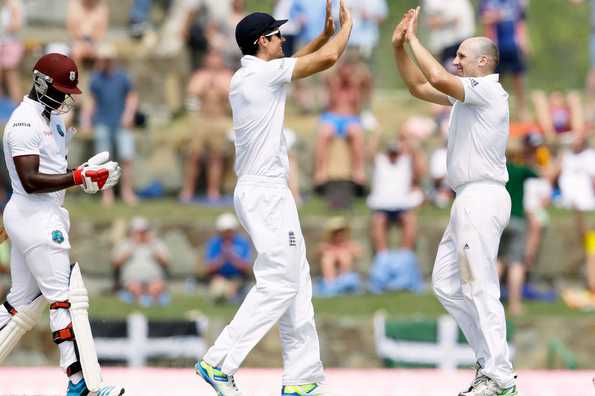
x=253 y=49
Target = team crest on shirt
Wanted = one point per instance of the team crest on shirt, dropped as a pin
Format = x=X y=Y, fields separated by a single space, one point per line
x=474 y=83
x=57 y=236
x=60 y=130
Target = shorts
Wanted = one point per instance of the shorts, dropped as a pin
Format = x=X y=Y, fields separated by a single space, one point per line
x=210 y=134
x=511 y=62
x=11 y=54
x=340 y=122
x=118 y=141
x=513 y=242
x=392 y=216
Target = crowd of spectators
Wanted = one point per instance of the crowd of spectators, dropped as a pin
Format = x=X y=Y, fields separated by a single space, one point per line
x=550 y=160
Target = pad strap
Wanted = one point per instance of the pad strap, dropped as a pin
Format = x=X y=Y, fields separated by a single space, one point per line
x=11 y=310
x=65 y=334
x=74 y=368
x=60 y=305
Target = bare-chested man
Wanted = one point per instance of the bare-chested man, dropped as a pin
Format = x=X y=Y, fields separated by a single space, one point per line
x=349 y=89
x=210 y=85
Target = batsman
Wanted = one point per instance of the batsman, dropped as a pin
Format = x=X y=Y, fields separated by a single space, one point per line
x=35 y=146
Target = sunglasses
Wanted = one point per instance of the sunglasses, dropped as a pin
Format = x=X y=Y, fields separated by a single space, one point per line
x=271 y=34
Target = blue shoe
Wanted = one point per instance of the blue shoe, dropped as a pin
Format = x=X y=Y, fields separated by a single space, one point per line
x=223 y=384
x=80 y=389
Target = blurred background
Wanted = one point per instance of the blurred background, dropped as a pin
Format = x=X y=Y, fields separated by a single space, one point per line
x=164 y=258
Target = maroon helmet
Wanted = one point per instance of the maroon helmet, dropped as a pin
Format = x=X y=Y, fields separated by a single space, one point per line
x=58 y=71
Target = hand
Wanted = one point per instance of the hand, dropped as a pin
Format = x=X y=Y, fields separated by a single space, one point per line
x=399 y=33
x=344 y=14
x=97 y=173
x=412 y=27
x=329 y=24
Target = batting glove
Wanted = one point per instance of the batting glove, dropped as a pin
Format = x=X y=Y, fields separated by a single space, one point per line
x=97 y=174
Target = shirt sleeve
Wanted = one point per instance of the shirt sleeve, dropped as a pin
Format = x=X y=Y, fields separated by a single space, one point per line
x=212 y=251
x=279 y=71
x=477 y=91
x=24 y=139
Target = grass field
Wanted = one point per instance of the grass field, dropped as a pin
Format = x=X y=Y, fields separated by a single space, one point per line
x=360 y=306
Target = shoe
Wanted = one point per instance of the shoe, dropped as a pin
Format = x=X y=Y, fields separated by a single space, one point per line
x=223 y=384
x=477 y=379
x=80 y=389
x=301 y=390
x=485 y=386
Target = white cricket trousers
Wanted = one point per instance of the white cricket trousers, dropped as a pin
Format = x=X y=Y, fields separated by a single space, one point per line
x=465 y=278
x=283 y=291
x=38 y=263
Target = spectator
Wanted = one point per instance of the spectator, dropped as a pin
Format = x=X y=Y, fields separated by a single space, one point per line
x=577 y=175
x=141 y=265
x=367 y=16
x=504 y=22
x=290 y=29
x=111 y=110
x=558 y=113
x=210 y=87
x=513 y=244
x=394 y=270
x=221 y=32
x=337 y=255
x=227 y=258
x=87 y=23
x=448 y=23
x=11 y=48
x=310 y=17
x=349 y=88
x=394 y=202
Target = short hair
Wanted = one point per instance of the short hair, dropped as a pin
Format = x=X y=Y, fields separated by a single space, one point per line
x=488 y=48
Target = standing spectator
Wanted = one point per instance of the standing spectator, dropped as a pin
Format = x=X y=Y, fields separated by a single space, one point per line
x=111 y=111
x=87 y=23
x=349 y=88
x=338 y=254
x=210 y=86
x=310 y=17
x=11 y=48
x=141 y=264
x=504 y=23
x=367 y=16
x=395 y=192
x=513 y=244
x=449 y=23
x=228 y=260
x=291 y=29
x=221 y=31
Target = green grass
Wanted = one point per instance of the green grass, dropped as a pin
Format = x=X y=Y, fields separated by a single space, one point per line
x=357 y=306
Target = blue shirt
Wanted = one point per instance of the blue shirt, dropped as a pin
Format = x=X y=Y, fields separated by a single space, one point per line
x=241 y=248
x=505 y=31
x=312 y=13
x=110 y=91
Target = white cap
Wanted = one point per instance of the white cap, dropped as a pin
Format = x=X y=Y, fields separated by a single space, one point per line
x=226 y=221
x=139 y=224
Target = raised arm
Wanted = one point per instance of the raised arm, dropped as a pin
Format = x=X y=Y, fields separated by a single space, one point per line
x=327 y=55
x=323 y=38
x=433 y=71
x=416 y=82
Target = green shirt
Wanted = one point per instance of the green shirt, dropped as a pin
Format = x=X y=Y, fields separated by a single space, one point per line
x=517 y=175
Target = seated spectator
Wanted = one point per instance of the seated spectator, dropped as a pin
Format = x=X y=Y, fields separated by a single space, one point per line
x=337 y=255
x=227 y=260
x=558 y=113
x=394 y=270
x=209 y=86
x=448 y=24
x=11 y=47
x=348 y=89
x=87 y=23
x=395 y=192
x=141 y=265
x=110 y=109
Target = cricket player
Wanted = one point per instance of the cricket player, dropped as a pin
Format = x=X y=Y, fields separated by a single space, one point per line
x=266 y=208
x=464 y=276
x=36 y=150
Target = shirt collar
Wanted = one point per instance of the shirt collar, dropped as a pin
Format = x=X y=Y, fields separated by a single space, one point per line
x=248 y=60
x=33 y=103
x=494 y=77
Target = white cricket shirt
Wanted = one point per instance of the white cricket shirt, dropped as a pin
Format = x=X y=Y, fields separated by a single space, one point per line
x=478 y=133
x=257 y=96
x=27 y=132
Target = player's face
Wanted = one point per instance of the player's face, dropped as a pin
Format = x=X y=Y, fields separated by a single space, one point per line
x=274 y=45
x=466 y=63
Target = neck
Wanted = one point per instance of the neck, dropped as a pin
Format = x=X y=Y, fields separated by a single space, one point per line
x=47 y=112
